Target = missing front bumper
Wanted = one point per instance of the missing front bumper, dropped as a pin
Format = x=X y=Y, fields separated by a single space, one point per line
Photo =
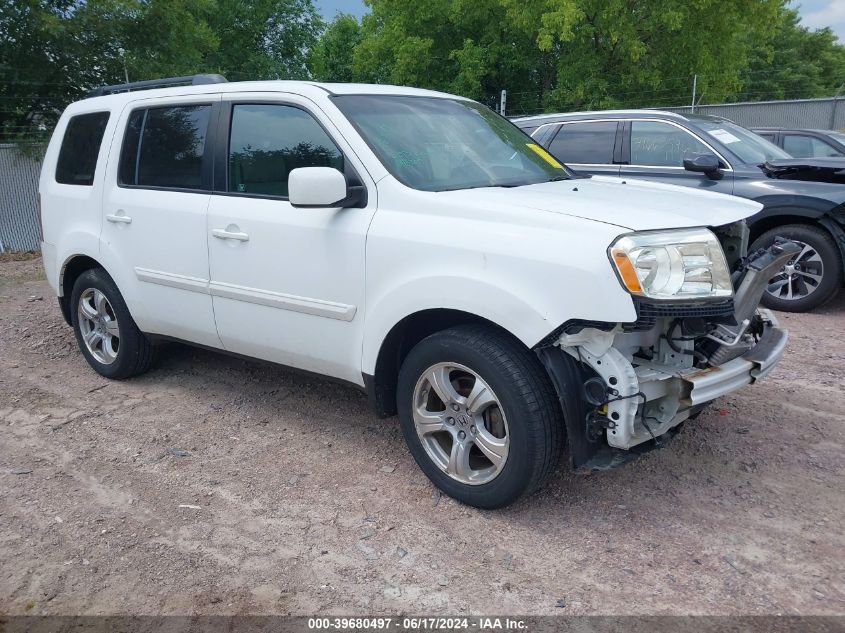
x=649 y=397
x=704 y=385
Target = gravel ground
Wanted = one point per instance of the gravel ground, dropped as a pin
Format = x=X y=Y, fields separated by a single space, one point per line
x=214 y=485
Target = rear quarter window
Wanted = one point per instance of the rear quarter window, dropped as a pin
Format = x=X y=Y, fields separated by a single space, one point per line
x=80 y=148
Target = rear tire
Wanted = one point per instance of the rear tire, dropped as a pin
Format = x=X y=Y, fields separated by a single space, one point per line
x=812 y=279
x=504 y=404
x=105 y=331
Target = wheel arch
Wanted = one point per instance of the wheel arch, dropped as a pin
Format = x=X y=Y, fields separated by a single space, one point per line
x=773 y=217
x=402 y=337
x=70 y=271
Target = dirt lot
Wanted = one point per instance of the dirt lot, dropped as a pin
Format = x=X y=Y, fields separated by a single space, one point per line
x=294 y=498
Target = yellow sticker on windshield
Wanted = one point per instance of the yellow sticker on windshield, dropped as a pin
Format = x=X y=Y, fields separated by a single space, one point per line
x=545 y=155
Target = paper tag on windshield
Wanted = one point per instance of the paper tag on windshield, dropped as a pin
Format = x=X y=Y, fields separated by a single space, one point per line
x=545 y=155
x=723 y=135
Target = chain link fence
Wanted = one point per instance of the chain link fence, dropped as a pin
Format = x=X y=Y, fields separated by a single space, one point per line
x=20 y=167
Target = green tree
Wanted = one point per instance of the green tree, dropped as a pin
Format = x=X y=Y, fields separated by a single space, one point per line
x=145 y=39
x=465 y=46
x=624 y=53
x=263 y=39
x=53 y=51
x=33 y=63
x=565 y=53
x=331 y=57
x=794 y=62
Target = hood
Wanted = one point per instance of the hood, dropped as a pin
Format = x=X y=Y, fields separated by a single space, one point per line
x=636 y=205
x=830 y=170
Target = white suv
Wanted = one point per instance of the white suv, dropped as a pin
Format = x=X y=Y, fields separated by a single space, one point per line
x=416 y=245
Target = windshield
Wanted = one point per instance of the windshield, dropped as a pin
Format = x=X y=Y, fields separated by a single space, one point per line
x=748 y=146
x=437 y=144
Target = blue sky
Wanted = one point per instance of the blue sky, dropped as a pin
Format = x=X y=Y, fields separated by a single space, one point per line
x=330 y=7
x=815 y=13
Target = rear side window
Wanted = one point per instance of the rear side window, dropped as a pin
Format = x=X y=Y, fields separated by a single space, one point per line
x=165 y=147
x=80 y=148
x=267 y=142
x=586 y=143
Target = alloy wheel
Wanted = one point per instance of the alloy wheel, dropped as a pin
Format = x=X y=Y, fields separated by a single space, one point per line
x=98 y=326
x=799 y=277
x=460 y=423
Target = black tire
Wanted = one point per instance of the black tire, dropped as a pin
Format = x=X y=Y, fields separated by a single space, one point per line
x=821 y=242
x=534 y=421
x=135 y=352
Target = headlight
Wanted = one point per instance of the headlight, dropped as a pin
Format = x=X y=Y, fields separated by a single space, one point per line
x=682 y=264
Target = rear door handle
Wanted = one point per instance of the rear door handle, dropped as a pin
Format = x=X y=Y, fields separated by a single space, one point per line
x=119 y=218
x=223 y=234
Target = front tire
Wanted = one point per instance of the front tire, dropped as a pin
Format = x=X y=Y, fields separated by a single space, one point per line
x=812 y=279
x=105 y=331
x=480 y=415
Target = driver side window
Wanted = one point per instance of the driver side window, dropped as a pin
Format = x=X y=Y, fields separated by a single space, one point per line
x=267 y=142
x=658 y=144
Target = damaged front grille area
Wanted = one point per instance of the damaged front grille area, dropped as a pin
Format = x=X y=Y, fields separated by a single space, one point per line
x=641 y=379
x=648 y=312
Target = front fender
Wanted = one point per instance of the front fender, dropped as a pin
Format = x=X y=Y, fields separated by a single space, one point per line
x=511 y=312
x=529 y=306
x=801 y=206
x=526 y=270
x=801 y=198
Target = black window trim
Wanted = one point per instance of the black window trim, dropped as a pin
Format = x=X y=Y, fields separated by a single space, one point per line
x=543 y=133
x=221 y=153
x=97 y=161
x=207 y=165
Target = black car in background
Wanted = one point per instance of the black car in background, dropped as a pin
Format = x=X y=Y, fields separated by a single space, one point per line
x=806 y=143
x=803 y=199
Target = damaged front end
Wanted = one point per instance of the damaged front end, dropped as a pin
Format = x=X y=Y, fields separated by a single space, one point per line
x=830 y=170
x=638 y=381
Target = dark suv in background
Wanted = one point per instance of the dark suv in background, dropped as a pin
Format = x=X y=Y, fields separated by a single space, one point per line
x=806 y=143
x=803 y=199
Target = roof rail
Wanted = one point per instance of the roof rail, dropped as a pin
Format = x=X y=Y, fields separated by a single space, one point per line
x=192 y=80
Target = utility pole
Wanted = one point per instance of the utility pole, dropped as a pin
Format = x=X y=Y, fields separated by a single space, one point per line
x=503 y=102
x=122 y=53
x=694 y=86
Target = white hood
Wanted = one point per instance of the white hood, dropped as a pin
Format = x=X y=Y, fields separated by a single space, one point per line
x=637 y=205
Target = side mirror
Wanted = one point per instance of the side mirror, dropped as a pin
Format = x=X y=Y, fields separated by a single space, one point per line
x=707 y=164
x=321 y=187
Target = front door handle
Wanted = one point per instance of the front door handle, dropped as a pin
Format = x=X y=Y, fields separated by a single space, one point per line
x=119 y=218
x=224 y=234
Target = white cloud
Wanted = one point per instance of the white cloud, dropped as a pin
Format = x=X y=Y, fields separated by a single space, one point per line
x=830 y=13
